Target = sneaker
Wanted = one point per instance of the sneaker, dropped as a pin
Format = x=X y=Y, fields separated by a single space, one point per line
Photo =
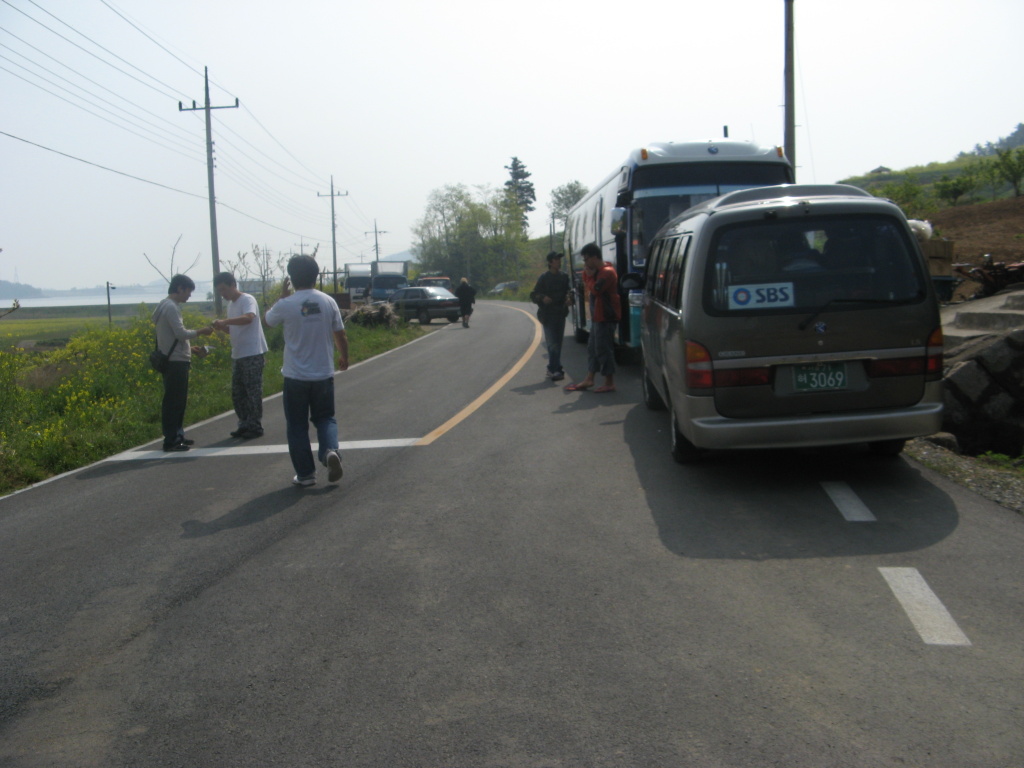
x=304 y=482
x=334 y=470
x=557 y=376
x=175 y=447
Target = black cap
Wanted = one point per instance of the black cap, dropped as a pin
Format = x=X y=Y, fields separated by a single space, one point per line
x=554 y=255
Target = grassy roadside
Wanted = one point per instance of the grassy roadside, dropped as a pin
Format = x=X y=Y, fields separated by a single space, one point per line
x=73 y=404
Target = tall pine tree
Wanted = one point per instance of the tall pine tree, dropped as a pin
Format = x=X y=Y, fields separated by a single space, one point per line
x=521 y=188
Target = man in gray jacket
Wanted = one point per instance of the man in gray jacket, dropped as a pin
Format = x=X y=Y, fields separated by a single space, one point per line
x=172 y=337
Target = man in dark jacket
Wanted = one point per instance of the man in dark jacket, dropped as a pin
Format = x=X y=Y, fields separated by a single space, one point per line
x=552 y=295
x=467 y=298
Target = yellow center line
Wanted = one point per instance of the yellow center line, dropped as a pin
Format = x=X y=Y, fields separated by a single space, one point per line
x=455 y=420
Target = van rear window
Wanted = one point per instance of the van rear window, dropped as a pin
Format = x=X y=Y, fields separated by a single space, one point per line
x=785 y=266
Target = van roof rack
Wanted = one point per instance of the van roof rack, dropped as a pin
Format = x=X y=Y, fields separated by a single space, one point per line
x=783 y=191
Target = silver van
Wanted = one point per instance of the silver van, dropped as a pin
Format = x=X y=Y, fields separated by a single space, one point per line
x=790 y=316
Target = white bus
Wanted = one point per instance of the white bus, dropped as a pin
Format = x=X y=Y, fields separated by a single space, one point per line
x=655 y=184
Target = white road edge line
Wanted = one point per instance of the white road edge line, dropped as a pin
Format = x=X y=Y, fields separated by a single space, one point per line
x=924 y=609
x=848 y=502
x=255 y=450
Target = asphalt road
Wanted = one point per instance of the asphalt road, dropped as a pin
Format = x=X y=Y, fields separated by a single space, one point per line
x=507 y=575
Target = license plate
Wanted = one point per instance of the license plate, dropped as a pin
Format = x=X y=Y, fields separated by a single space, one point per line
x=819 y=377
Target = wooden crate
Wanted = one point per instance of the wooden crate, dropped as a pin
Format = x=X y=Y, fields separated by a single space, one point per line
x=939 y=254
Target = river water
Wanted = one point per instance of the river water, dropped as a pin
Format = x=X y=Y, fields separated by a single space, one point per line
x=90 y=300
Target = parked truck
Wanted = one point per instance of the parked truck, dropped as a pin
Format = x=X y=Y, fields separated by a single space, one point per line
x=357 y=280
x=386 y=277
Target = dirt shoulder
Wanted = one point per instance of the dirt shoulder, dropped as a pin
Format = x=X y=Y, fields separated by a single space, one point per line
x=1003 y=486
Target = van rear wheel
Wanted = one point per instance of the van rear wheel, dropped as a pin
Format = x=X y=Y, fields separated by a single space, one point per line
x=683 y=451
x=887 y=447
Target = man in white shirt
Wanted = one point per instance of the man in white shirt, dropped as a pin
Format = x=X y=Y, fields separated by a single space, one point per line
x=312 y=329
x=248 y=346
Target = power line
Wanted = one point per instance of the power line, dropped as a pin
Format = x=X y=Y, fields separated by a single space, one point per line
x=154 y=183
x=101 y=117
x=79 y=74
x=170 y=136
x=102 y=167
x=107 y=50
x=148 y=37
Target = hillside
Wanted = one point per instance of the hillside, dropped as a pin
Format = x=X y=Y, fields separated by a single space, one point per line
x=996 y=228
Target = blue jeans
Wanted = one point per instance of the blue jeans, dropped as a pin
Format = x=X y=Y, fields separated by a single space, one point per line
x=313 y=400
x=554 y=332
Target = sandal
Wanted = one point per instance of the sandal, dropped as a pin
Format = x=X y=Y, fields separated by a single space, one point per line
x=602 y=390
x=578 y=387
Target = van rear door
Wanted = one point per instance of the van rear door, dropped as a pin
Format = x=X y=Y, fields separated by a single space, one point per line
x=816 y=315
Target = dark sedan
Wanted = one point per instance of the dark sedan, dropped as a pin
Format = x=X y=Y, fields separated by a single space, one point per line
x=425 y=303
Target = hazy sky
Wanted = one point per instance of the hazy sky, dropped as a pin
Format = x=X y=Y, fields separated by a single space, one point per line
x=396 y=98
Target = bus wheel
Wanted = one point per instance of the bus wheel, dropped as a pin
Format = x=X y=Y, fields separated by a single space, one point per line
x=652 y=399
x=887 y=447
x=424 y=317
x=683 y=451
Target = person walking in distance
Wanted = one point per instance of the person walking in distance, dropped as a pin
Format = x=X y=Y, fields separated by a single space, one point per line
x=466 y=294
x=602 y=287
x=173 y=336
x=312 y=329
x=552 y=295
x=248 y=346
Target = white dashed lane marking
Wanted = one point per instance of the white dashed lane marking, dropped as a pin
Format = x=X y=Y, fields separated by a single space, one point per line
x=848 y=503
x=924 y=609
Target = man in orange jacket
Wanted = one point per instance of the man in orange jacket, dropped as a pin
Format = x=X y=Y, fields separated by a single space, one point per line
x=602 y=285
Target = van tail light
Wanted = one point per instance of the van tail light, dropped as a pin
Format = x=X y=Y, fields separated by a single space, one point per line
x=699 y=373
x=743 y=377
x=929 y=366
x=933 y=368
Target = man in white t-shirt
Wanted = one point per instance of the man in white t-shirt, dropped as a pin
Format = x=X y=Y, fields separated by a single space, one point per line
x=313 y=328
x=248 y=346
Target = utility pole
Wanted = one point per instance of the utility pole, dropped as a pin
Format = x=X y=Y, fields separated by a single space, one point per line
x=110 y=320
x=790 y=133
x=209 y=176
x=334 y=242
x=376 y=247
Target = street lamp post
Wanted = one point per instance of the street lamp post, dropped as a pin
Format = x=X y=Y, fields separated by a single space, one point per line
x=110 y=320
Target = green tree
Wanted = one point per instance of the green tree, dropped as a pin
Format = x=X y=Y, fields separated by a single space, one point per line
x=1010 y=163
x=520 y=186
x=563 y=198
x=987 y=174
x=951 y=189
x=907 y=194
x=477 y=237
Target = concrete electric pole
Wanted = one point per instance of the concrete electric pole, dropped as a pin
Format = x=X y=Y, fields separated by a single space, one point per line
x=209 y=176
x=376 y=247
x=790 y=133
x=334 y=240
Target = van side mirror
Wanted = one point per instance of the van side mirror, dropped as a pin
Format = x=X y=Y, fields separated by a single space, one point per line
x=631 y=281
x=618 y=221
